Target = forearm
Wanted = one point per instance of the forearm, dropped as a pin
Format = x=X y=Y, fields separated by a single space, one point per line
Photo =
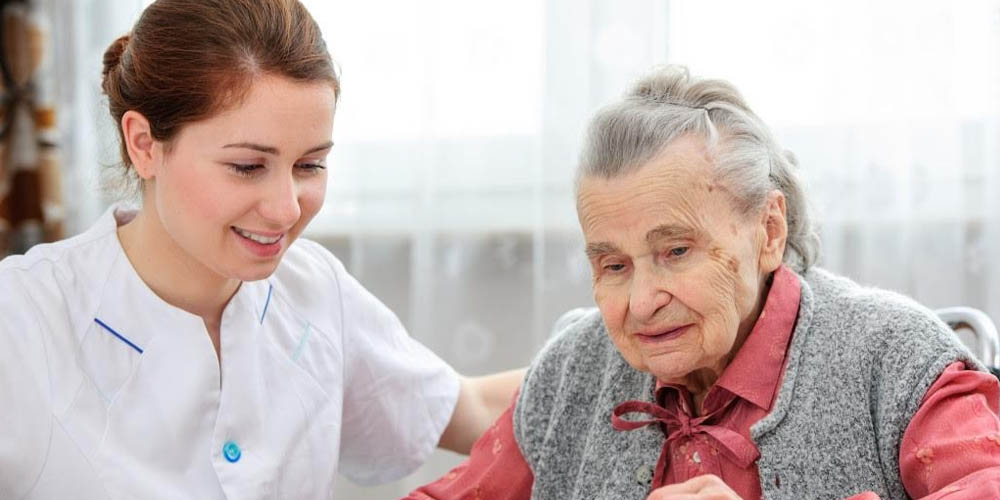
x=480 y=401
x=496 y=391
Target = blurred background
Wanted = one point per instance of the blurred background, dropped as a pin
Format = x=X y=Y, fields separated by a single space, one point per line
x=457 y=135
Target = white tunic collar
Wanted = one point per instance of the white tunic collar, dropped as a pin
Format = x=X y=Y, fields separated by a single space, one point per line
x=129 y=310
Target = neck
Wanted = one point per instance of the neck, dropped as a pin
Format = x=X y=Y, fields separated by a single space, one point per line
x=171 y=273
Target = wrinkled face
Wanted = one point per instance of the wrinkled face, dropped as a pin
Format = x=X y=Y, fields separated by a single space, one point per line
x=677 y=271
x=234 y=191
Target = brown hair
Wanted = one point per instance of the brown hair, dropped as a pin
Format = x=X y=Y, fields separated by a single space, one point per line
x=186 y=60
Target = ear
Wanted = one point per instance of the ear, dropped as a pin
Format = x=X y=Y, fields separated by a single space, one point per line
x=143 y=150
x=775 y=225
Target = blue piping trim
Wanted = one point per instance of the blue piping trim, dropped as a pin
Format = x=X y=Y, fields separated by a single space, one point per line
x=266 y=303
x=116 y=334
x=302 y=342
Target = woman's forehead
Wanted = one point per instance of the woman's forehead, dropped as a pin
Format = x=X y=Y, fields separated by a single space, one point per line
x=665 y=182
x=277 y=112
x=682 y=196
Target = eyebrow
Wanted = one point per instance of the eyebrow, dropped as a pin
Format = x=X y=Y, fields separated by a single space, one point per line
x=595 y=250
x=667 y=231
x=271 y=150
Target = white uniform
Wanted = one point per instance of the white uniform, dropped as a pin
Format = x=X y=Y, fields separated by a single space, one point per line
x=107 y=391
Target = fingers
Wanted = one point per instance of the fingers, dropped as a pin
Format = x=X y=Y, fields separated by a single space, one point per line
x=693 y=485
x=707 y=487
x=668 y=496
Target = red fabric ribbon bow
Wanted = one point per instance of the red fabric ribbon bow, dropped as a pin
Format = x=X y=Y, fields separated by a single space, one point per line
x=677 y=424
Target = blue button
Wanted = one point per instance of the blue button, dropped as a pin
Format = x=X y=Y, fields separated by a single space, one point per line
x=232 y=451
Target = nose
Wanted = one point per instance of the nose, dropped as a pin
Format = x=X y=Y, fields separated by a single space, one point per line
x=648 y=294
x=280 y=201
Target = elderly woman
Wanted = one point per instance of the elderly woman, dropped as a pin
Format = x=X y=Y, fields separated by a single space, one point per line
x=721 y=363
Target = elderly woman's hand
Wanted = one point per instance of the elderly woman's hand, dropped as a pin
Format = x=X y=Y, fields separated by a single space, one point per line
x=707 y=487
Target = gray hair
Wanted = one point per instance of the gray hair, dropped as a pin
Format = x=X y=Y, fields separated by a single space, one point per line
x=668 y=103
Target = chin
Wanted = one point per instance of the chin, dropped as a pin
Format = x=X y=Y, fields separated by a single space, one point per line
x=669 y=377
x=255 y=273
x=669 y=370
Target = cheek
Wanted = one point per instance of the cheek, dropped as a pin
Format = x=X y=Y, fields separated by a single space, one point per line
x=746 y=285
x=311 y=196
x=194 y=196
x=721 y=299
x=612 y=300
x=726 y=278
x=709 y=291
x=613 y=304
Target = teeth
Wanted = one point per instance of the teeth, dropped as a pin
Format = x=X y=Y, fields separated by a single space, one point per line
x=263 y=240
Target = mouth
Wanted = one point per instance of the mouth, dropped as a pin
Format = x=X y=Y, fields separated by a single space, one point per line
x=263 y=239
x=260 y=244
x=656 y=336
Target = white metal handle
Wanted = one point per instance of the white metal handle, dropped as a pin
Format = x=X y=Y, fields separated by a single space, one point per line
x=987 y=340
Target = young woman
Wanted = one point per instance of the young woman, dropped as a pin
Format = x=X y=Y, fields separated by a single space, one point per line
x=196 y=348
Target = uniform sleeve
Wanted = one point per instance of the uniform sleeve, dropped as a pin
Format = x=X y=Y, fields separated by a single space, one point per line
x=25 y=405
x=951 y=447
x=398 y=395
x=495 y=469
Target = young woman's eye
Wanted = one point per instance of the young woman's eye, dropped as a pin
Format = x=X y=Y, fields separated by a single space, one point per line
x=245 y=169
x=309 y=167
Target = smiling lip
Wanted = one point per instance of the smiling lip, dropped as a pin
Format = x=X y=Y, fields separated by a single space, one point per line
x=263 y=250
x=661 y=335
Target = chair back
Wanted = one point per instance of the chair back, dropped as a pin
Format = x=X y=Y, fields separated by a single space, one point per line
x=985 y=342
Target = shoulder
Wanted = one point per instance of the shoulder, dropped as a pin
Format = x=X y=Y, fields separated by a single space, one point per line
x=69 y=255
x=578 y=331
x=309 y=278
x=876 y=317
x=313 y=283
x=308 y=261
x=61 y=276
x=886 y=342
x=316 y=281
x=839 y=293
x=576 y=356
x=580 y=325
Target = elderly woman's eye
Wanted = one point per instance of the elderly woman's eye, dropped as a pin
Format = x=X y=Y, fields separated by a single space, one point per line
x=614 y=267
x=677 y=252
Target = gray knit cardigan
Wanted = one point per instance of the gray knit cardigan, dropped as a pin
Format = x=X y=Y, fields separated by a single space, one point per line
x=859 y=363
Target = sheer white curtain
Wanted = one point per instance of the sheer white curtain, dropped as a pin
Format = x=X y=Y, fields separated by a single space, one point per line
x=457 y=133
x=893 y=110
x=460 y=124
